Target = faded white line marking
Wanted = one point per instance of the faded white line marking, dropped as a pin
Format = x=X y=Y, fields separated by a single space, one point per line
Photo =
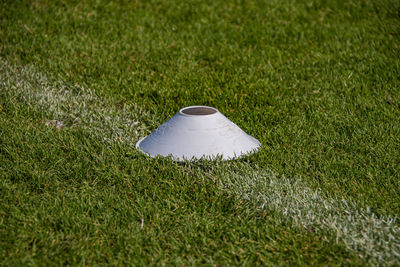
x=72 y=106
x=374 y=238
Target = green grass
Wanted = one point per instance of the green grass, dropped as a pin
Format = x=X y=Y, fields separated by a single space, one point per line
x=317 y=82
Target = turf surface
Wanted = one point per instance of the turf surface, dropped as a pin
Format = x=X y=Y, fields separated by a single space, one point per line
x=318 y=83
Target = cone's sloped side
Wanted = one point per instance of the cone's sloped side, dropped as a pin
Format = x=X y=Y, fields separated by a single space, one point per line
x=197 y=132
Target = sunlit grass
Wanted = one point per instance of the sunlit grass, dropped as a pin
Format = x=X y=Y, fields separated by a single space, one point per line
x=316 y=83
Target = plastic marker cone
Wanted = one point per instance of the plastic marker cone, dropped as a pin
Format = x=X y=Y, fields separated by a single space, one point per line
x=196 y=132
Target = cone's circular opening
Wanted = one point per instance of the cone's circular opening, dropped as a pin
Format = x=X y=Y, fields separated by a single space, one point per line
x=198 y=111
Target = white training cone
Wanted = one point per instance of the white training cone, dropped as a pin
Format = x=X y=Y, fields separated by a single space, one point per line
x=196 y=132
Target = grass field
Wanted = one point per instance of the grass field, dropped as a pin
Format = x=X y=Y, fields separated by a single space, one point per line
x=317 y=82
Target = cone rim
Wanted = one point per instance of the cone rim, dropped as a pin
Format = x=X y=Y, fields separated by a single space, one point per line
x=198 y=111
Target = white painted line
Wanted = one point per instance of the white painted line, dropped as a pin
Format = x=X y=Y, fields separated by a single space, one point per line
x=375 y=238
x=72 y=106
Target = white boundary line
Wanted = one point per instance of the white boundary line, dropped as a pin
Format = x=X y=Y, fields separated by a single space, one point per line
x=72 y=106
x=374 y=238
